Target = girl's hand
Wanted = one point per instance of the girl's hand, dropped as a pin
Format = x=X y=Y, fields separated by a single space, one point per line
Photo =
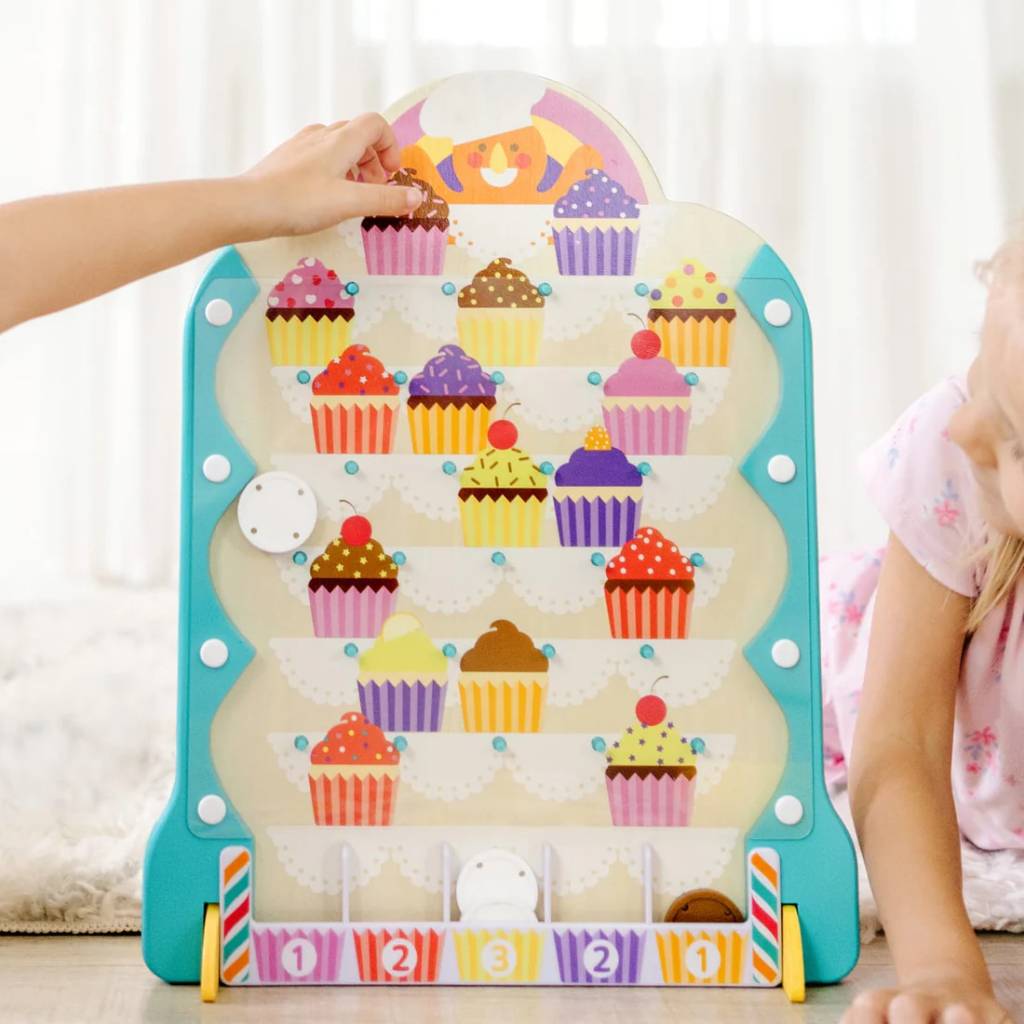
x=309 y=182
x=944 y=999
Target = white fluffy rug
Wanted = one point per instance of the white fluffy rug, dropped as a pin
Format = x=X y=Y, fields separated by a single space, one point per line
x=87 y=697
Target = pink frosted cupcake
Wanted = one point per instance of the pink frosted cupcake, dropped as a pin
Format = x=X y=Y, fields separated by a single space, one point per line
x=652 y=770
x=413 y=244
x=354 y=405
x=353 y=585
x=647 y=402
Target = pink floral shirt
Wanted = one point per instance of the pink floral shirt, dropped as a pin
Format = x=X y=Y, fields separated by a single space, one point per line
x=923 y=486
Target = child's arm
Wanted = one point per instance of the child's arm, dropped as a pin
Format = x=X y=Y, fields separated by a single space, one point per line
x=59 y=250
x=903 y=803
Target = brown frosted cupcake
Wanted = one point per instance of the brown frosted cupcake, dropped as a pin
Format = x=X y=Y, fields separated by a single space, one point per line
x=503 y=682
x=412 y=244
x=500 y=316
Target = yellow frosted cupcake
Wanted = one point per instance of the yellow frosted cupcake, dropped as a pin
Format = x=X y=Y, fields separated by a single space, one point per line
x=502 y=493
x=503 y=682
x=308 y=313
x=692 y=313
x=500 y=316
x=450 y=402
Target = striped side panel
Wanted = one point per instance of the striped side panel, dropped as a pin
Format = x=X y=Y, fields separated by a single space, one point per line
x=765 y=914
x=235 y=914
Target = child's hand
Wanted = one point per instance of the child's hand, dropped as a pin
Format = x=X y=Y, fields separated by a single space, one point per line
x=942 y=1000
x=308 y=183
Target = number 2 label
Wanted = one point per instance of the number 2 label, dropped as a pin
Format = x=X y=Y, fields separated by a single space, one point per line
x=398 y=958
x=600 y=959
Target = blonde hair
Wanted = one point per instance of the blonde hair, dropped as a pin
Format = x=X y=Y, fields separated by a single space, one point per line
x=1002 y=557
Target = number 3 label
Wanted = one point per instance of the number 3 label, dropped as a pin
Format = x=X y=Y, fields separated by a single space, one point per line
x=600 y=959
x=498 y=958
x=399 y=958
x=702 y=959
x=298 y=957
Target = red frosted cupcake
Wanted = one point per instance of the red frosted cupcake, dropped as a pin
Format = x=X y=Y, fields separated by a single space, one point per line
x=353 y=774
x=649 y=588
x=354 y=405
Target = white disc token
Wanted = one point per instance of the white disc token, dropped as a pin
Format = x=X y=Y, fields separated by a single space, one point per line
x=277 y=512
x=497 y=884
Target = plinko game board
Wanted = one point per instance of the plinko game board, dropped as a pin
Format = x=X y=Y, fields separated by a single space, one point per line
x=498 y=654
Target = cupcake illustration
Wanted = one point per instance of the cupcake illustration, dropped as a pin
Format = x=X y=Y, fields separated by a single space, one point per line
x=646 y=403
x=500 y=316
x=308 y=314
x=411 y=244
x=403 y=678
x=652 y=770
x=649 y=588
x=692 y=312
x=353 y=774
x=450 y=402
x=597 y=495
x=503 y=680
x=354 y=404
x=502 y=493
x=596 y=227
x=353 y=585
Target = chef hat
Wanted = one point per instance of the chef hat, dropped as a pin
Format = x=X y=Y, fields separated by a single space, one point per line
x=475 y=105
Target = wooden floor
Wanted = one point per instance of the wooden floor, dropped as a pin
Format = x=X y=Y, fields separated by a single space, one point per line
x=102 y=978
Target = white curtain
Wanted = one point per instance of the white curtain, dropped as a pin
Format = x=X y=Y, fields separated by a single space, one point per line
x=876 y=144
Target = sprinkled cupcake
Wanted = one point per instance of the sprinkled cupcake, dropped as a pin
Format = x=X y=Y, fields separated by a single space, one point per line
x=652 y=770
x=502 y=493
x=500 y=316
x=307 y=317
x=354 y=404
x=353 y=774
x=646 y=402
x=353 y=585
x=450 y=402
x=597 y=495
x=596 y=227
x=692 y=312
x=649 y=588
x=503 y=681
x=414 y=243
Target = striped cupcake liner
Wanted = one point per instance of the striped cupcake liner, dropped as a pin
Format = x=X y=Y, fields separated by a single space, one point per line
x=399 y=954
x=352 y=799
x=316 y=962
x=438 y=429
x=306 y=340
x=502 y=705
x=403 y=706
x=404 y=250
x=648 y=612
x=346 y=610
x=595 y=251
x=596 y=522
x=649 y=800
x=694 y=340
x=366 y=428
x=603 y=955
x=644 y=430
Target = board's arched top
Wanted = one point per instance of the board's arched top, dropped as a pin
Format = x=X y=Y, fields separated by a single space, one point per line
x=508 y=137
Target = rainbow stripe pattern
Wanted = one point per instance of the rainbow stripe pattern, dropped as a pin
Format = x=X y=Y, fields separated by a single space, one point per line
x=235 y=914
x=765 y=914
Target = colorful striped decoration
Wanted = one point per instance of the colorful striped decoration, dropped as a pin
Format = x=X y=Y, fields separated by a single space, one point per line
x=235 y=914
x=410 y=955
x=764 y=915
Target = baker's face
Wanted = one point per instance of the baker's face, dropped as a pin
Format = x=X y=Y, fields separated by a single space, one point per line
x=989 y=426
x=509 y=164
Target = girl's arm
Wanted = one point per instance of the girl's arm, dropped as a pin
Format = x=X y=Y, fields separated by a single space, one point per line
x=902 y=802
x=56 y=251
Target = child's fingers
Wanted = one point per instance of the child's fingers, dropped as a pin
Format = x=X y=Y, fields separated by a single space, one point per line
x=370 y=168
x=367 y=131
x=357 y=199
x=869 y=1007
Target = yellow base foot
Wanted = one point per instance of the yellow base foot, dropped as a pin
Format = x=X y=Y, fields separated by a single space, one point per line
x=209 y=970
x=792 y=955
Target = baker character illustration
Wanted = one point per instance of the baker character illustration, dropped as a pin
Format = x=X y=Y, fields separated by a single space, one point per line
x=486 y=145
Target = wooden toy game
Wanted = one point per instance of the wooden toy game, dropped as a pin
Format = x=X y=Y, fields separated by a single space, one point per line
x=498 y=644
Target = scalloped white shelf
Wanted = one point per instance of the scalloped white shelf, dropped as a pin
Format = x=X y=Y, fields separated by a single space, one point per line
x=319 y=668
x=685 y=858
x=560 y=581
x=454 y=766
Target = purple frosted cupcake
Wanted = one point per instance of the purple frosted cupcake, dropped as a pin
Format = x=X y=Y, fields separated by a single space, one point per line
x=612 y=956
x=403 y=678
x=596 y=228
x=597 y=495
x=450 y=402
